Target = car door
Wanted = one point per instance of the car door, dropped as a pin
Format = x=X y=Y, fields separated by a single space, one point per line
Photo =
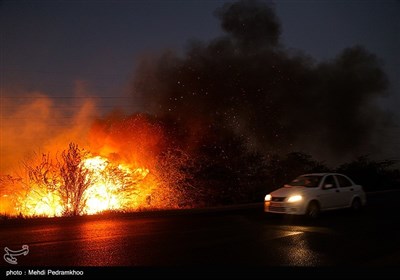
x=329 y=196
x=346 y=190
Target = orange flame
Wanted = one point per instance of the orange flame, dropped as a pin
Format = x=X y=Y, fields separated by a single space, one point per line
x=105 y=193
x=124 y=168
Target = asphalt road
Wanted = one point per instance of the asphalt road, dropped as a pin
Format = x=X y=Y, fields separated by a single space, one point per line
x=226 y=238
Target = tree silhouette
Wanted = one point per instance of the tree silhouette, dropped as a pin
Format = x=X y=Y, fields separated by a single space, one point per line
x=76 y=180
x=372 y=174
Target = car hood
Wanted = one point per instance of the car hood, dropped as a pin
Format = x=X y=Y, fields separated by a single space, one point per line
x=289 y=190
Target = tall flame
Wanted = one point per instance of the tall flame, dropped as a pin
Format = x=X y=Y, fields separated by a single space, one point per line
x=124 y=171
x=105 y=194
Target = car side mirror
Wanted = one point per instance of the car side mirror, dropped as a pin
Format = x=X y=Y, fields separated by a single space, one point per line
x=328 y=186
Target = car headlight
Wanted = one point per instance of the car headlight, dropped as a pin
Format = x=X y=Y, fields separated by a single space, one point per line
x=267 y=197
x=294 y=198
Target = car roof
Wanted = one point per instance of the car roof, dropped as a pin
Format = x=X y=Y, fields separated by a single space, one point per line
x=321 y=174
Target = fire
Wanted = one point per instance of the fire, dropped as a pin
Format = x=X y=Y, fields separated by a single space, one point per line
x=39 y=203
x=105 y=194
x=107 y=191
x=127 y=164
x=100 y=195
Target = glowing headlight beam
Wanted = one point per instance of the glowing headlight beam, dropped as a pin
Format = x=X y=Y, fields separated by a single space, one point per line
x=294 y=198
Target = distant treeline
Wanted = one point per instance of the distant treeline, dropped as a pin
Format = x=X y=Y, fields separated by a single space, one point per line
x=225 y=172
x=249 y=178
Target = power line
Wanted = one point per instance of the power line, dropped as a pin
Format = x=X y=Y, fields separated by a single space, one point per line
x=5 y=69
x=65 y=97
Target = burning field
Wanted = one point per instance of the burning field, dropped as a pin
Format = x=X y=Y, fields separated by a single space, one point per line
x=94 y=165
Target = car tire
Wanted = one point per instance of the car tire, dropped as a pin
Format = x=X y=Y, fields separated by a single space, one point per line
x=313 y=210
x=356 y=205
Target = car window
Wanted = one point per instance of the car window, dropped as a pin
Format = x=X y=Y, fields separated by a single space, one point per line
x=343 y=181
x=329 y=182
x=306 y=181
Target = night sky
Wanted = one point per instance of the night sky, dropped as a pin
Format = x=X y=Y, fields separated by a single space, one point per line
x=54 y=46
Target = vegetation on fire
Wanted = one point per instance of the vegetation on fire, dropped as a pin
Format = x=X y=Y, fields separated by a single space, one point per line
x=181 y=167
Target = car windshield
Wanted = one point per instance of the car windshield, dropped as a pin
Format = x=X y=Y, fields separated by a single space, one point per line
x=306 y=181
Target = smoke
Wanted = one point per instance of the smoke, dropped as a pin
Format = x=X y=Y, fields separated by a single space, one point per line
x=136 y=139
x=251 y=24
x=33 y=122
x=278 y=100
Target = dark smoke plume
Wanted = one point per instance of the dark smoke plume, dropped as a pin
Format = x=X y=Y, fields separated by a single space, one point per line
x=251 y=24
x=279 y=101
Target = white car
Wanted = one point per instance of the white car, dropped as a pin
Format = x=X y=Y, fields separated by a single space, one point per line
x=310 y=194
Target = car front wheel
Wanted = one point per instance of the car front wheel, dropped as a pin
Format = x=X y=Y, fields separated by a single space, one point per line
x=313 y=210
x=356 y=205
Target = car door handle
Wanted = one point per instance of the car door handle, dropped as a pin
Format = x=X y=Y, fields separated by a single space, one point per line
x=352 y=189
x=337 y=191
